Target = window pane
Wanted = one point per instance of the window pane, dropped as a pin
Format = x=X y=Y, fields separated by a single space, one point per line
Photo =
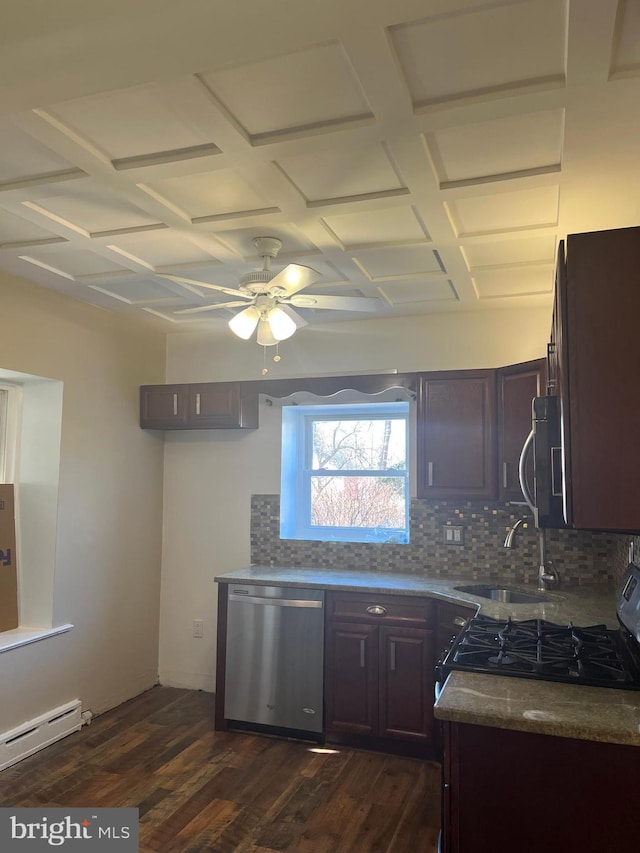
x=358 y=502
x=359 y=445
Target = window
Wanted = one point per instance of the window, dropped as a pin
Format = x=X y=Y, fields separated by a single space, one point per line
x=345 y=473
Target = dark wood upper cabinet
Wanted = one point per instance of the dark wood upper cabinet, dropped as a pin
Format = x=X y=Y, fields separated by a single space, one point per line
x=518 y=384
x=219 y=405
x=457 y=435
x=207 y=405
x=598 y=355
x=163 y=406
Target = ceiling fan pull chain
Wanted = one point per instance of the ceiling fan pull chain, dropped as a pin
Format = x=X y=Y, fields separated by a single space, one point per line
x=265 y=369
x=277 y=356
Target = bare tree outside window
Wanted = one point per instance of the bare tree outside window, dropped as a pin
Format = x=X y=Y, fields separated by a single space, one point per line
x=351 y=446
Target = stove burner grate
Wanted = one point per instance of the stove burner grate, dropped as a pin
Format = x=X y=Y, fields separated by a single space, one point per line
x=539 y=649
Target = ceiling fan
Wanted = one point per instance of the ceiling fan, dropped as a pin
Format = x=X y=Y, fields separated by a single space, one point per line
x=269 y=298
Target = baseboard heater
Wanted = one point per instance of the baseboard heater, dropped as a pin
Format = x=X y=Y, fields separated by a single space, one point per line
x=35 y=734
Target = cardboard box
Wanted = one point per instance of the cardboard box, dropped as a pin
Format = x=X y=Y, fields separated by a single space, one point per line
x=8 y=564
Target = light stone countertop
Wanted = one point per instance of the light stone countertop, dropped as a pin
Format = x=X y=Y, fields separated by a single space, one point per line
x=582 y=605
x=563 y=710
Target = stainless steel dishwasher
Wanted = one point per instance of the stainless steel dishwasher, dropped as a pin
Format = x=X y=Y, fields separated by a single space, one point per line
x=275 y=652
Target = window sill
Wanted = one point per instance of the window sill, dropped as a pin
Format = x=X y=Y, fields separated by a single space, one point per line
x=25 y=636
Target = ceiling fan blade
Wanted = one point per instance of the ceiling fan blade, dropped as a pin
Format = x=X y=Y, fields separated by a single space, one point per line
x=297 y=319
x=337 y=303
x=293 y=278
x=202 y=308
x=229 y=290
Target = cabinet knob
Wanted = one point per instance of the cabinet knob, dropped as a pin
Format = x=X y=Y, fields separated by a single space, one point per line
x=460 y=622
x=376 y=610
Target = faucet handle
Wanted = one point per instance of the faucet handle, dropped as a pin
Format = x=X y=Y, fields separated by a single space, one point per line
x=547 y=575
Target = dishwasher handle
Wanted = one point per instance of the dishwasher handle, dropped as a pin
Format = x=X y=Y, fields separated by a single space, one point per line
x=276 y=602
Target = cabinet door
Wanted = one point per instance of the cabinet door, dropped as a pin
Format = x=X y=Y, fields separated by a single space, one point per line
x=351 y=678
x=457 y=435
x=406 y=683
x=517 y=386
x=216 y=405
x=163 y=406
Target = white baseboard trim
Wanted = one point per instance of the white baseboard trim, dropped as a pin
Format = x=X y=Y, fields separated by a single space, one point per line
x=34 y=735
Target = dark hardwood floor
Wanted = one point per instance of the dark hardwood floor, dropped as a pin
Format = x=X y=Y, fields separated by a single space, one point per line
x=200 y=790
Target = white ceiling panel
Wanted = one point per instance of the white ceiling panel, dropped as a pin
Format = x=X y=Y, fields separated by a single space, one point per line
x=159 y=248
x=398 y=262
x=626 y=53
x=518 y=144
x=510 y=211
x=139 y=291
x=220 y=193
x=22 y=156
x=383 y=227
x=302 y=89
x=15 y=229
x=129 y=123
x=487 y=50
x=416 y=292
x=74 y=262
x=373 y=138
x=342 y=174
x=519 y=250
x=91 y=208
x=520 y=281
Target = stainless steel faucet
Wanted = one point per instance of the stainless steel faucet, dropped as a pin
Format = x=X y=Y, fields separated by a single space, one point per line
x=508 y=542
x=547 y=575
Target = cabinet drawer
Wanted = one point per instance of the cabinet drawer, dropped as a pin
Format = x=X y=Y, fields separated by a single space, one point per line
x=376 y=609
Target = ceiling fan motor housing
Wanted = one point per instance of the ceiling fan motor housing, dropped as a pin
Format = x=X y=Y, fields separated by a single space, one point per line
x=256 y=281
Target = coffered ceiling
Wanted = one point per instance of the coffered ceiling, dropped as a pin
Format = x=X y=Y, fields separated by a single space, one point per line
x=429 y=154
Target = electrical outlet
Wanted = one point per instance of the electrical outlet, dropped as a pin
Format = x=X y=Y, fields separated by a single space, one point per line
x=453 y=534
x=198 y=628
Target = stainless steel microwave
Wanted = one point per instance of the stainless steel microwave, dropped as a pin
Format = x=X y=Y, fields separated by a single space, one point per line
x=546 y=500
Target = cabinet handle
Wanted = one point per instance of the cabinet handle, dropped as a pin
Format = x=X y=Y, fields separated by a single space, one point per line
x=430 y=474
x=175 y=404
x=392 y=655
x=376 y=610
x=460 y=622
x=505 y=475
x=197 y=404
x=362 y=660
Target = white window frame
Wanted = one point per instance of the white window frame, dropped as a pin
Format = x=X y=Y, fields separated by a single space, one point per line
x=10 y=419
x=297 y=472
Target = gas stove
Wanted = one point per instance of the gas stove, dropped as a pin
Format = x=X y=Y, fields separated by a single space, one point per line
x=595 y=656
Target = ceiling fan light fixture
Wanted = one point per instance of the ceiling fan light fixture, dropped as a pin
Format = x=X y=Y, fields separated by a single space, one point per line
x=281 y=325
x=244 y=324
x=265 y=335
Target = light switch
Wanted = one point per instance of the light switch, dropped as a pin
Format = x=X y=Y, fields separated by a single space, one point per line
x=453 y=534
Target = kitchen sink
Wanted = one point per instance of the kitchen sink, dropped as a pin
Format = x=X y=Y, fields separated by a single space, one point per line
x=508 y=596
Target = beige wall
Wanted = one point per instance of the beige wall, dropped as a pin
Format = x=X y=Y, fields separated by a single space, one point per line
x=107 y=560
x=210 y=475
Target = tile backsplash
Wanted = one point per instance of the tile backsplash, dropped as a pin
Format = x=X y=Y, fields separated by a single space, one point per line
x=579 y=557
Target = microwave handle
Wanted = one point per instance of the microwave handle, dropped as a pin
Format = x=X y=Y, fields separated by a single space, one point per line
x=522 y=470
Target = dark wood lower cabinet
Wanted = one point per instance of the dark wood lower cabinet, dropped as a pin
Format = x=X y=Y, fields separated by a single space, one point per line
x=525 y=792
x=406 y=683
x=379 y=685
x=351 y=681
